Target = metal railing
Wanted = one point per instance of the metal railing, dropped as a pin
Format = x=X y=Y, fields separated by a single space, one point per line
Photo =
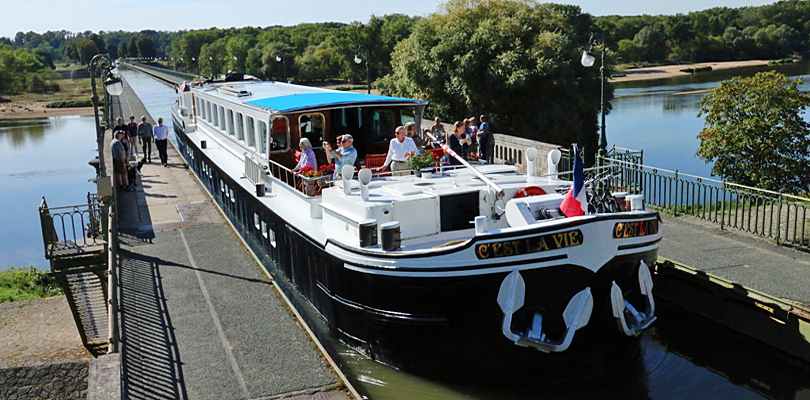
x=773 y=215
x=69 y=229
x=253 y=171
x=81 y=244
x=308 y=186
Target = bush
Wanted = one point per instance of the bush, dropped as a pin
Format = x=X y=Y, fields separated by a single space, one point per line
x=72 y=104
x=27 y=283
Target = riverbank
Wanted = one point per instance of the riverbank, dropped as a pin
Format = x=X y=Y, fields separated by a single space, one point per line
x=671 y=71
x=33 y=105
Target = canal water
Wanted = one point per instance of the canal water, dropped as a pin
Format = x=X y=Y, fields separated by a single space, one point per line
x=681 y=357
x=40 y=157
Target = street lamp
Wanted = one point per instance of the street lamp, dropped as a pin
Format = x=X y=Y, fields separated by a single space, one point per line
x=358 y=60
x=101 y=65
x=588 y=59
x=280 y=58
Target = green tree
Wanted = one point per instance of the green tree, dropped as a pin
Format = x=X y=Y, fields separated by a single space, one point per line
x=145 y=46
x=213 y=58
x=755 y=134
x=517 y=62
x=86 y=49
x=650 y=44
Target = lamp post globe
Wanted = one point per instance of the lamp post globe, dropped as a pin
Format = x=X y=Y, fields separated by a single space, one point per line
x=357 y=60
x=588 y=59
x=114 y=85
x=278 y=58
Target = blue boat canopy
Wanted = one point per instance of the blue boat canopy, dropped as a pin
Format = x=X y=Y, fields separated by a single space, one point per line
x=310 y=100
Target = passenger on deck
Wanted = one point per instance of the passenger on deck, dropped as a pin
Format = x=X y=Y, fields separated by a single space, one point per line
x=345 y=154
x=437 y=128
x=398 y=150
x=458 y=141
x=413 y=133
x=307 y=156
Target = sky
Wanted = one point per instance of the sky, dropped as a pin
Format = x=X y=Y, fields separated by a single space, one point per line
x=136 y=15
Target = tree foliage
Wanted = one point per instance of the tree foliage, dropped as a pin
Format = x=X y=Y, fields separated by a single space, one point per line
x=755 y=133
x=516 y=62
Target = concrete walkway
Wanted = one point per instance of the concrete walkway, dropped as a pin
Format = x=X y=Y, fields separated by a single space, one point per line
x=199 y=318
x=738 y=257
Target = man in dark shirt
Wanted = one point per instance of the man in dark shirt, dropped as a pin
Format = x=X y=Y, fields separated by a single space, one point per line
x=485 y=140
x=132 y=128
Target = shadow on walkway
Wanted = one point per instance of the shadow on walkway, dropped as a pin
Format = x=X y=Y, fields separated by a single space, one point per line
x=151 y=367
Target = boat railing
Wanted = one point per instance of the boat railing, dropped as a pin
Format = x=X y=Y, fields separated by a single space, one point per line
x=309 y=186
x=253 y=171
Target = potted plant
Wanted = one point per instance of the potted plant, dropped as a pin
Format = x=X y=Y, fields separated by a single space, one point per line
x=420 y=162
x=308 y=182
x=325 y=174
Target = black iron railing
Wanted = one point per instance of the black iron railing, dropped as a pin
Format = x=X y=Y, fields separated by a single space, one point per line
x=71 y=228
x=773 y=215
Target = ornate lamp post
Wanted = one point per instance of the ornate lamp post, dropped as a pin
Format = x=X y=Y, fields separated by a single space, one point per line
x=101 y=64
x=588 y=59
x=358 y=60
x=281 y=58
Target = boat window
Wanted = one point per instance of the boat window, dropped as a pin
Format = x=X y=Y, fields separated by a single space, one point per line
x=262 y=135
x=240 y=125
x=231 y=130
x=383 y=128
x=215 y=115
x=200 y=108
x=222 y=117
x=279 y=134
x=251 y=131
x=312 y=128
x=407 y=115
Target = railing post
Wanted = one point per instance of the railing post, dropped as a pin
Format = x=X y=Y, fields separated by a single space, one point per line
x=112 y=280
x=779 y=219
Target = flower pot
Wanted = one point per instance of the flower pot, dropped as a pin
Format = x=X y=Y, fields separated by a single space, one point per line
x=309 y=187
x=417 y=172
x=426 y=173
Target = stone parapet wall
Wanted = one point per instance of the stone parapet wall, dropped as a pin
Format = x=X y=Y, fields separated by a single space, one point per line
x=512 y=149
x=48 y=381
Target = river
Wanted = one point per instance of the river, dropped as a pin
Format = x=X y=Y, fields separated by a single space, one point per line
x=681 y=356
x=41 y=157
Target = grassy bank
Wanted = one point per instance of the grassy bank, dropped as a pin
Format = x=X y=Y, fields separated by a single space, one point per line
x=33 y=105
x=26 y=283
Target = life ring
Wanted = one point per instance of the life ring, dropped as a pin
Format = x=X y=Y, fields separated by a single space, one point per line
x=529 y=191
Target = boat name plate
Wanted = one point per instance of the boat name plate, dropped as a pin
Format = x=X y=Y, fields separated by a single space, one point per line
x=534 y=244
x=635 y=229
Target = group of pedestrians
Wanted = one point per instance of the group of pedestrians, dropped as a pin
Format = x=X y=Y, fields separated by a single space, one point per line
x=124 y=149
x=466 y=138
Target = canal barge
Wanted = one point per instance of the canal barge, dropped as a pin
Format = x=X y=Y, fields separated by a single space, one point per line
x=456 y=274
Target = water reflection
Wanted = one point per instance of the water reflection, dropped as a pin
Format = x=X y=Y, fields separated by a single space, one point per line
x=40 y=157
x=16 y=133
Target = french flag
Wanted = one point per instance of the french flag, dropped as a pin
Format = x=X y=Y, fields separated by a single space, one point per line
x=575 y=201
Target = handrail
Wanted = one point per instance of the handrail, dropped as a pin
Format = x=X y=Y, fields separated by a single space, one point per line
x=704 y=179
x=70 y=227
x=112 y=279
x=464 y=162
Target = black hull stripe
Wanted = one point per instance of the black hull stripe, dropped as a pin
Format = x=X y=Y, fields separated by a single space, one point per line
x=475 y=239
x=637 y=245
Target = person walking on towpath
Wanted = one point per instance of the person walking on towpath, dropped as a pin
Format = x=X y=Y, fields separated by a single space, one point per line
x=132 y=130
x=119 y=160
x=145 y=137
x=398 y=150
x=161 y=141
